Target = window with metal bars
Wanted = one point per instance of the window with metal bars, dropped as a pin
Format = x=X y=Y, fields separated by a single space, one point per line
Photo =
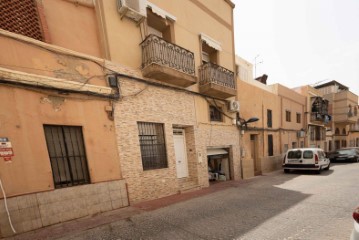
x=153 y=145
x=215 y=114
x=66 y=149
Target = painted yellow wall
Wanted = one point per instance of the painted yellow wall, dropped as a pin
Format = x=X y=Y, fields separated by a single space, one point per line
x=22 y=118
x=125 y=48
x=72 y=26
x=255 y=101
x=30 y=58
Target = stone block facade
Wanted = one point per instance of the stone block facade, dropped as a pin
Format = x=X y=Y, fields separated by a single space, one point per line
x=143 y=102
x=38 y=210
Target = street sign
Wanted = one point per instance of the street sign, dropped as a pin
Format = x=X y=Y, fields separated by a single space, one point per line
x=6 y=150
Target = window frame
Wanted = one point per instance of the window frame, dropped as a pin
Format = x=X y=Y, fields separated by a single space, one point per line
x=270 y=145
x=155 y=23
x=65 y=157
x=299 y=118
x=269 y=118
x=212 y=117
x=288 y=115
x=152 y=142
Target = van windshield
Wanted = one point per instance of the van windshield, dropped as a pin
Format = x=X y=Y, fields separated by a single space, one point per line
x=295 y=154
x=307 y=154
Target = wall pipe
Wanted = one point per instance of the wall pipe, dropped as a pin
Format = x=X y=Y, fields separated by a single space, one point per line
x=7 y=209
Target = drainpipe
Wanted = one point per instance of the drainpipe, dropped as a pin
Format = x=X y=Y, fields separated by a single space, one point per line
x=238 y=124
x=6 y=208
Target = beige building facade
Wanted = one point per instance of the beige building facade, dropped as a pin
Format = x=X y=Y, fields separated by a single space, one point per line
x=343 y=107
x=107 y=104
x=176 y=79
x=280 y=111
x=316 y=118
x=59 y=158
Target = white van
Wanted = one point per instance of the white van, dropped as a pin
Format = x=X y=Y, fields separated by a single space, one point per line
x=305 y=159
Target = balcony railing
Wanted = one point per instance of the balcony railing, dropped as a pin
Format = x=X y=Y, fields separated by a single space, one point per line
x=319 y=117
x=158 y=51
x=212 y=73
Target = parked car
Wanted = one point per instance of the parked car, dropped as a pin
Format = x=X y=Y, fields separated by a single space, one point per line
x=355 y=232
x=305 y=159
x=345 y=154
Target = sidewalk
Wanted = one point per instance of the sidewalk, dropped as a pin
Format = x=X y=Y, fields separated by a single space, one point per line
x=77 y=226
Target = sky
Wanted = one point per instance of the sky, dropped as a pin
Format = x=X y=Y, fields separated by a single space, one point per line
x=300 y=42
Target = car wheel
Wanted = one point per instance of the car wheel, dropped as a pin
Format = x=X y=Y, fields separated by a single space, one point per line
x=327 y=168
x=319 y=170
x=286 y=170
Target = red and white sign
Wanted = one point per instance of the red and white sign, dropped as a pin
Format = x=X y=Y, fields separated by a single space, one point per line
x=6 y=150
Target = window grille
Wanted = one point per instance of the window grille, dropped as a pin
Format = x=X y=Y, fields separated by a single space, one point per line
x=66 y=149
x=215 y=114
x=153 y=145
x=21 y=17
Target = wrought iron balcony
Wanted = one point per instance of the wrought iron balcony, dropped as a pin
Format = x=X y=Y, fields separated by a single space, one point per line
x=216 y=81
x=167 y=62
x=320 y=117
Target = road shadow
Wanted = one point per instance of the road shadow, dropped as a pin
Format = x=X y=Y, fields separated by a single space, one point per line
x=224 y=214
x=309 y=172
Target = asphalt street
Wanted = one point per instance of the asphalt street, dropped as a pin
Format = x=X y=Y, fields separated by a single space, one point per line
x=277 y=206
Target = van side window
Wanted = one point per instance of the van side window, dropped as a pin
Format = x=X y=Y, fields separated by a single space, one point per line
x=295 y=154
x=307 y=154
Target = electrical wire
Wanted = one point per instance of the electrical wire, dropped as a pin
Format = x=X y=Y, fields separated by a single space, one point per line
x=6 y=207
x=63 y=91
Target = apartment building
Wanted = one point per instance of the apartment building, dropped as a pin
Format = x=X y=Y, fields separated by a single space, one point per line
x=59 y=157
x=343 y=107
x=316 y=118
x=281 y=125
x=175 y=65
x=108 y=103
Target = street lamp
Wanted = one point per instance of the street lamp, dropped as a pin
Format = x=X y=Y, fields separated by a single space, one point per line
x=240 y=123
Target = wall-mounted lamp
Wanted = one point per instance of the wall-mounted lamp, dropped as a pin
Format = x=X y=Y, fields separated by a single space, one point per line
x=242 y=122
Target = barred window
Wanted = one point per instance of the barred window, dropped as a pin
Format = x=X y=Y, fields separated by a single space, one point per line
x=153 y=145
x=215 y=114
x=66 y=149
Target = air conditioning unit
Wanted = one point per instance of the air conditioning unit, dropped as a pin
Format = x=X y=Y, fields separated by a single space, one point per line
x=133 y=9
x=233 y=106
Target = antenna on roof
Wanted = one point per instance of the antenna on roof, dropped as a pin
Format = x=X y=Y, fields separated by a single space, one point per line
x=317 y=83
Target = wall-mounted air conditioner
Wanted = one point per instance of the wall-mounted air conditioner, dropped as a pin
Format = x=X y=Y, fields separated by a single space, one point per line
x=233 y=106
x=133 y=9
